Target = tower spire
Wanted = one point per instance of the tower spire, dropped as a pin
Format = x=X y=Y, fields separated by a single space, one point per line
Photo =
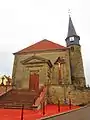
x=72 y=37
x=71 y=29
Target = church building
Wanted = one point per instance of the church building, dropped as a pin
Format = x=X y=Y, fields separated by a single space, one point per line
x=47 y=73
x=46 y=62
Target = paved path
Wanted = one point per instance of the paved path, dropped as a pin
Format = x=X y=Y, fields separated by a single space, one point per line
x=82 y=114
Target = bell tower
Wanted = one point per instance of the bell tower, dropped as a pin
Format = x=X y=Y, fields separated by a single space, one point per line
x=72 y=37
x=76 y=62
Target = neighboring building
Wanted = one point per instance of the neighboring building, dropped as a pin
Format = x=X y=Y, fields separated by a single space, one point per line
x=5 y=80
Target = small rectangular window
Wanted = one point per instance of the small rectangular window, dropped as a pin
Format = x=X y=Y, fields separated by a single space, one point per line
x=72 y=49
x=71 y=39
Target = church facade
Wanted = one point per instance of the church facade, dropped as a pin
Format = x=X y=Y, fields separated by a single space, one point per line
x=47 y=62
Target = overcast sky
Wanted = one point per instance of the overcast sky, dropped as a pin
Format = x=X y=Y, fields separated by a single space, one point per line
x=24 y=22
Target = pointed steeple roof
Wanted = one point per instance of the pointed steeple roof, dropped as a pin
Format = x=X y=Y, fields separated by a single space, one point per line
x=71 y=29
x=72 y=33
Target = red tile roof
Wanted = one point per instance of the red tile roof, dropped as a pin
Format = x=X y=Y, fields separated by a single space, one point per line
x=42 y=45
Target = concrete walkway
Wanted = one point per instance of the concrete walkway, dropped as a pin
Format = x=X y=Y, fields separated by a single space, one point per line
x=82 y=114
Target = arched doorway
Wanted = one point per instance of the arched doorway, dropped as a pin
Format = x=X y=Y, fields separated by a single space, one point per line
x=34 y=81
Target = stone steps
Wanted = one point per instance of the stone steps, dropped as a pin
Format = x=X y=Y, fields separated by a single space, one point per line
x=17 y=98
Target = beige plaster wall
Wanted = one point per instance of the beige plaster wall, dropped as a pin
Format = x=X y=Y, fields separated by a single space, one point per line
x=20 y=73
x=23 y=74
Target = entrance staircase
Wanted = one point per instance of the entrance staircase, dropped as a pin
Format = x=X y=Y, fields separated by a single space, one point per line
x=41 y=98
x=16 y=98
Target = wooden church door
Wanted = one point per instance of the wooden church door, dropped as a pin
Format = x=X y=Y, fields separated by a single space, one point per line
x=34 y=81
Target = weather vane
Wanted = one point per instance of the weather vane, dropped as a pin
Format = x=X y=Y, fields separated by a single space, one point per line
x=69 y=12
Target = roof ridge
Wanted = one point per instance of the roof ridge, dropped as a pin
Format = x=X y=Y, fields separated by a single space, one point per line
x=42 y=45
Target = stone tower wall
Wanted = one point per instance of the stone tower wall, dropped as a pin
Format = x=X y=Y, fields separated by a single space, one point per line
x=77 y=70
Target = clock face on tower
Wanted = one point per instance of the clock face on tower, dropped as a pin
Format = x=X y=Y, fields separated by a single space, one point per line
x=71 y=39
